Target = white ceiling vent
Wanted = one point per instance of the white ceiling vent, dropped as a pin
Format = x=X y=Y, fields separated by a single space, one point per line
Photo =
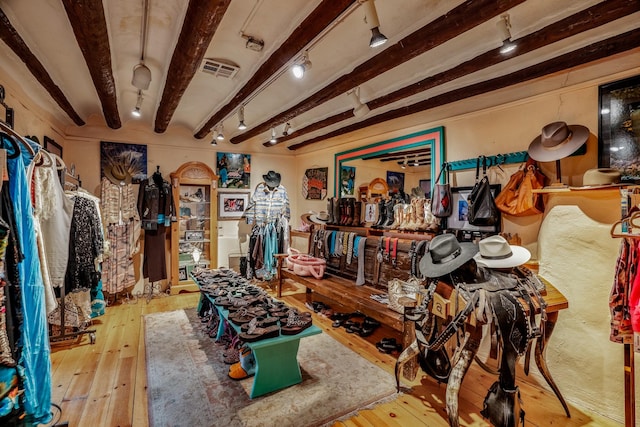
x=219 y=67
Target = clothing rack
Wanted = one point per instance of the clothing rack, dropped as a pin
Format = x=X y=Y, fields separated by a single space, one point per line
x=626 y=225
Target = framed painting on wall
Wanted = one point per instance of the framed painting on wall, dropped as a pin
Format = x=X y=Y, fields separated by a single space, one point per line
x=619 y=127
x=232 y=205
x=395 y=181
x=347 y=180
x=314 y=183
x=52 y=147
x=131 y=157
x=234 y=170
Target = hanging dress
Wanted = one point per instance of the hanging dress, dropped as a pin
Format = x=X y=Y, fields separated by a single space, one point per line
x=35 y=359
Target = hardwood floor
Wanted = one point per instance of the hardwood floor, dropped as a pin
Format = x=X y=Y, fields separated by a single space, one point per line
x=105 y=385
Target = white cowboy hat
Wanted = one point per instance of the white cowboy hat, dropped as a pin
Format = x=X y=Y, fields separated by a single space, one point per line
x=496 y=252
x=320 y=218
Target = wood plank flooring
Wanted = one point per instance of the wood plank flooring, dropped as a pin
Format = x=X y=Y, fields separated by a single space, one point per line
x=105 y=384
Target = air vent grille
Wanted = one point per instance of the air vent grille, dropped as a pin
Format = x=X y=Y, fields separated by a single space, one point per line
x=219 y=68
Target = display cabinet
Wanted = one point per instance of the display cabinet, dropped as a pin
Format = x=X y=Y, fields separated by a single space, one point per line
x=193 y=235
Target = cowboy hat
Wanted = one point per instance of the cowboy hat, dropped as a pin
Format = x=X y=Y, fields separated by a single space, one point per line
x=272 y=179
x=320 y=218
x=495 y=252
x=445 y=255
x=117 y=173
x=557 y=140
x=602 y=177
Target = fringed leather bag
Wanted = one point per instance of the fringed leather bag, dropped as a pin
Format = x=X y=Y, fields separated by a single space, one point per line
x=517 y=197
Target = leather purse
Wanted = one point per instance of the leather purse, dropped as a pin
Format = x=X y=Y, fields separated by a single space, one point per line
x=517 y=198
x=482 y=206
x=441 y=201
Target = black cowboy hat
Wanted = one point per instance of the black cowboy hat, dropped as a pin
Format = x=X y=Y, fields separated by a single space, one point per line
x=272 y=179
x=445 y=255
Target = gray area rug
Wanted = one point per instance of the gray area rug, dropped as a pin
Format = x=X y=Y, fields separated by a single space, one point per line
x=188 y=383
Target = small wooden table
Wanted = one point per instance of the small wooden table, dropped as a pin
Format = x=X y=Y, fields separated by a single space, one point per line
x=276 y=358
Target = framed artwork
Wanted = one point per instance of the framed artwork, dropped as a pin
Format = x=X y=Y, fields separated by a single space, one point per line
x=132 y=157
x=314 y=183
x=234 y=170
x=395 y=182
x=232 y=205
x=347 y=180
x=458 y=219
x=619 y=127
x=51 y=146
x=425 y=185
x=182 y=272
x=194 y=235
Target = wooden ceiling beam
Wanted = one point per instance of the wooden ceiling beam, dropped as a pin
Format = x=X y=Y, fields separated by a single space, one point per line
x=200 y=24
x=321 y=17
x=10 y=36
x=596 y=51
x=462 y=18
x=585 y=20
x=90 y=28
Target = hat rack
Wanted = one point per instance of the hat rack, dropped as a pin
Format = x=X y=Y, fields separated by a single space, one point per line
x=498 y=159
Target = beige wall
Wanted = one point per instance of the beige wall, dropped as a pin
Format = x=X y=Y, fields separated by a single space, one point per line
x=571 y=243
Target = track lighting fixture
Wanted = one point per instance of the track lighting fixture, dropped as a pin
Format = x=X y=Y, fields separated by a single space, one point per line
x=371 y=17
x=303 y=65
x=287 y=128
x=241 y=125
x=416 y=162
x=220 y=136
x=359 y=109
x=214 y=140
x=404 y=164
x=504 y=26
x=136 y=110
x=273 y=139
x=141 y=77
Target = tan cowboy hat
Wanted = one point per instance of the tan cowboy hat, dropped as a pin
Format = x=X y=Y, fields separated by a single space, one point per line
x=445 y=255
x=117 y=173
x=557 y=141
x=602 y=177
x=496 y=252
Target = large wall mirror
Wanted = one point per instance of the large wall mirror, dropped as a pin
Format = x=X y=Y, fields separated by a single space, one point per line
x=418 y=154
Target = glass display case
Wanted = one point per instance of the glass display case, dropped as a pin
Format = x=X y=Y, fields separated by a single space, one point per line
x=193 y=235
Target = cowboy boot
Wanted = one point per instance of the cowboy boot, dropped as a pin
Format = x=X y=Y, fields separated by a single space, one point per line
x=357 y=214
x=330 y=210
x=398 y=216
x=336 y=211
x=343 y=211
x=350 y=209
x=381 y=215
x=411 y=224
x=419 y=207
x=388 y=207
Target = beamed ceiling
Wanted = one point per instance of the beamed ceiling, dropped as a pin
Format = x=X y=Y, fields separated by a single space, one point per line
x=76 y=58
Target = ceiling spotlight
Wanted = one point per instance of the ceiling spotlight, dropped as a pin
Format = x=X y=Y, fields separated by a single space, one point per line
x=504 y=26
x=214 y=140
x=371 y=18
x=241 y=125
x=136 y=110
x=359 y=109
x=287 y=129
x=416 y=162
x=404 y=164
x=220 y=136
x=303 y=65
x=273 y=139
x=141 y=77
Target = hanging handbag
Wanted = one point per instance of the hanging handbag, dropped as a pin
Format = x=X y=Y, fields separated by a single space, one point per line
x=517 y=198
x=482 y=206
x=441 y=202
